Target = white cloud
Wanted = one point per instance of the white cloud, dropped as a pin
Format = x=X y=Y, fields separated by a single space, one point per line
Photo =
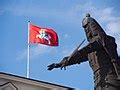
x=21 y=55
x=118 y=44
x=66 y=52
x=66 y=36
x=106 y=16
x=112 y=24
x=69 y=15
x=113 y=27
x=35 y=52
x=36 y=11
x=39 y=49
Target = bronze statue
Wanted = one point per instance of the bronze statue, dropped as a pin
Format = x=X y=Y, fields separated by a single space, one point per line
x=101 y=52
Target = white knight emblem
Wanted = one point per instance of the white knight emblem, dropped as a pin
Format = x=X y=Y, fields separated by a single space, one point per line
x=43 y=35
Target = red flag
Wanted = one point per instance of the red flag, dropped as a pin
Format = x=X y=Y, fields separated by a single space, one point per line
x=45 y=36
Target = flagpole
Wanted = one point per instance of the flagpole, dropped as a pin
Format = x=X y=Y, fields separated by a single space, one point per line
x=28 y=52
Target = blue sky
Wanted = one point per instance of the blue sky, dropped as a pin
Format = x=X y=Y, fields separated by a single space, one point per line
x=65 y=17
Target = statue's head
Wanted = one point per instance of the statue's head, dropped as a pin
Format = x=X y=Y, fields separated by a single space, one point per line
x=91 y=27
x=85 y=20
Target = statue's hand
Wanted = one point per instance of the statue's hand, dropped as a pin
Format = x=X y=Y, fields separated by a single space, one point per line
x=61 y=65
x=64 y=62
x=51 y=66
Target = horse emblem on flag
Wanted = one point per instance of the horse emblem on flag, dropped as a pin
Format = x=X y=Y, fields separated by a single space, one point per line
x=44 y=35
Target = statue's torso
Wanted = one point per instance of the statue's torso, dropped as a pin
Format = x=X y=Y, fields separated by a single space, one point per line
x=100 y=52
x=99 y=60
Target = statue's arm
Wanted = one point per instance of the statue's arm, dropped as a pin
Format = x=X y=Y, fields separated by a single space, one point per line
x=91 y=47
x=75 y=59
x=82 y=54
x=78 y=57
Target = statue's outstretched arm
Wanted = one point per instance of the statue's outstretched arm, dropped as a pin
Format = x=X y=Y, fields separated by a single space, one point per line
x=82 y=54
x=79 y=56
x=75 y=59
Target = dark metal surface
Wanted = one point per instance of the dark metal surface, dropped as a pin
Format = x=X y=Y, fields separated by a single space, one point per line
x=101 y=52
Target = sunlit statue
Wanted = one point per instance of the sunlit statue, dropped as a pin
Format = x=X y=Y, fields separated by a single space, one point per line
x=101 y=52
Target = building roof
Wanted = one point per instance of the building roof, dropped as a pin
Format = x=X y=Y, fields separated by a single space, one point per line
x=31 y=81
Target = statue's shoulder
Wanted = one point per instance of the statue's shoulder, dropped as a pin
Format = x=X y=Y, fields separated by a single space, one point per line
x=110 y=37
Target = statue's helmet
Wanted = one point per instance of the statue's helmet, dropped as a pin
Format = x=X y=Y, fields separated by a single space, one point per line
x=86 y=20
x=87 y=14
x=92 y=27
